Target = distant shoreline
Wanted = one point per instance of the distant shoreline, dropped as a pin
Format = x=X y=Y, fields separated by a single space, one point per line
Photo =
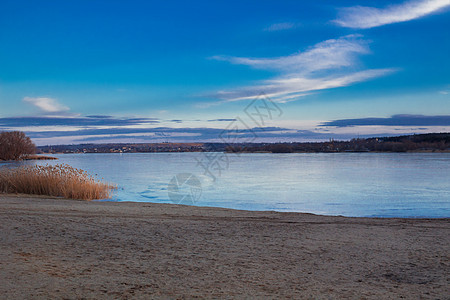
x=245 y=152
x=33 y=157
x=426 y=143
x=40 y=157
x=417 y=151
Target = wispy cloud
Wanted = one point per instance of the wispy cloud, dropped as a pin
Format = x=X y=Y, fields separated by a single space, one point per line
x=291 y=88
x=17 y=122
x=46 y=105
x=329 y=64
x=330 y=54
x=211 y=135
x=396 y=120
x=281 y=26
x=195 y=134
x=57 y=130
x=368 y=17
x=222 y=120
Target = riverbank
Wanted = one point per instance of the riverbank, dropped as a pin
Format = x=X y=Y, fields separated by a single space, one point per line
x=57 y=248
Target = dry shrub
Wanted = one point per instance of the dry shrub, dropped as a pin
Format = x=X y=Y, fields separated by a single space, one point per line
x=60 y=181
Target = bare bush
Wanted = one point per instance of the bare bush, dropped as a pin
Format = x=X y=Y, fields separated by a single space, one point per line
x=15 y=145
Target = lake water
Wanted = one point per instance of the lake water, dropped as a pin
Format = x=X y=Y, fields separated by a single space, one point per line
x=349 y=184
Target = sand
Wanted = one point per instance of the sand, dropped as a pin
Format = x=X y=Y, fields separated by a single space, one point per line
x=57 y=248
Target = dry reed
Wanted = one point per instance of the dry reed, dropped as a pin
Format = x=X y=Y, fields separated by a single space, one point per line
x=60 y=180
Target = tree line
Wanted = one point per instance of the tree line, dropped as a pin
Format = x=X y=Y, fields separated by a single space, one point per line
x=420 y=142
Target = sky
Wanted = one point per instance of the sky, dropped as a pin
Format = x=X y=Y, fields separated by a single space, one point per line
x=75 y=72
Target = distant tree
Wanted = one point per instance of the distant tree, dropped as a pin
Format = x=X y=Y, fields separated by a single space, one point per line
x=15 y=145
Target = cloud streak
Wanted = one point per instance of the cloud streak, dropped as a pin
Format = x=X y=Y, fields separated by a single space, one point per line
x=395 y=120
x=100 y=128
x=204 y=132
x=291 y=88
x=329 y=54
x=46 y=105
x=14 y=122
x=330 y=64
x=368 y=17
x=281 y=26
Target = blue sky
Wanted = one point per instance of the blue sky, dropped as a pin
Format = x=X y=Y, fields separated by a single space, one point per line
x=151 y=71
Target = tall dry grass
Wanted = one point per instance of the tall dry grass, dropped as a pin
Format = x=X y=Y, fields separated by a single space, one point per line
x=60 y=181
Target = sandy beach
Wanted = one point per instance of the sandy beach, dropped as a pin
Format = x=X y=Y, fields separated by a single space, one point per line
x=57 y=248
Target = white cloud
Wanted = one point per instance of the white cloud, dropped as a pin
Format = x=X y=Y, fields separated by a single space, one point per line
x=46 y=105
x=368 y=17
x=281 y=26
x=329 y=64
x=330 y=54
x=286 y=89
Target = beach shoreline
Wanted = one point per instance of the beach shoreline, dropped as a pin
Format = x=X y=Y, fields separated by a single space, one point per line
x=58 y=248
